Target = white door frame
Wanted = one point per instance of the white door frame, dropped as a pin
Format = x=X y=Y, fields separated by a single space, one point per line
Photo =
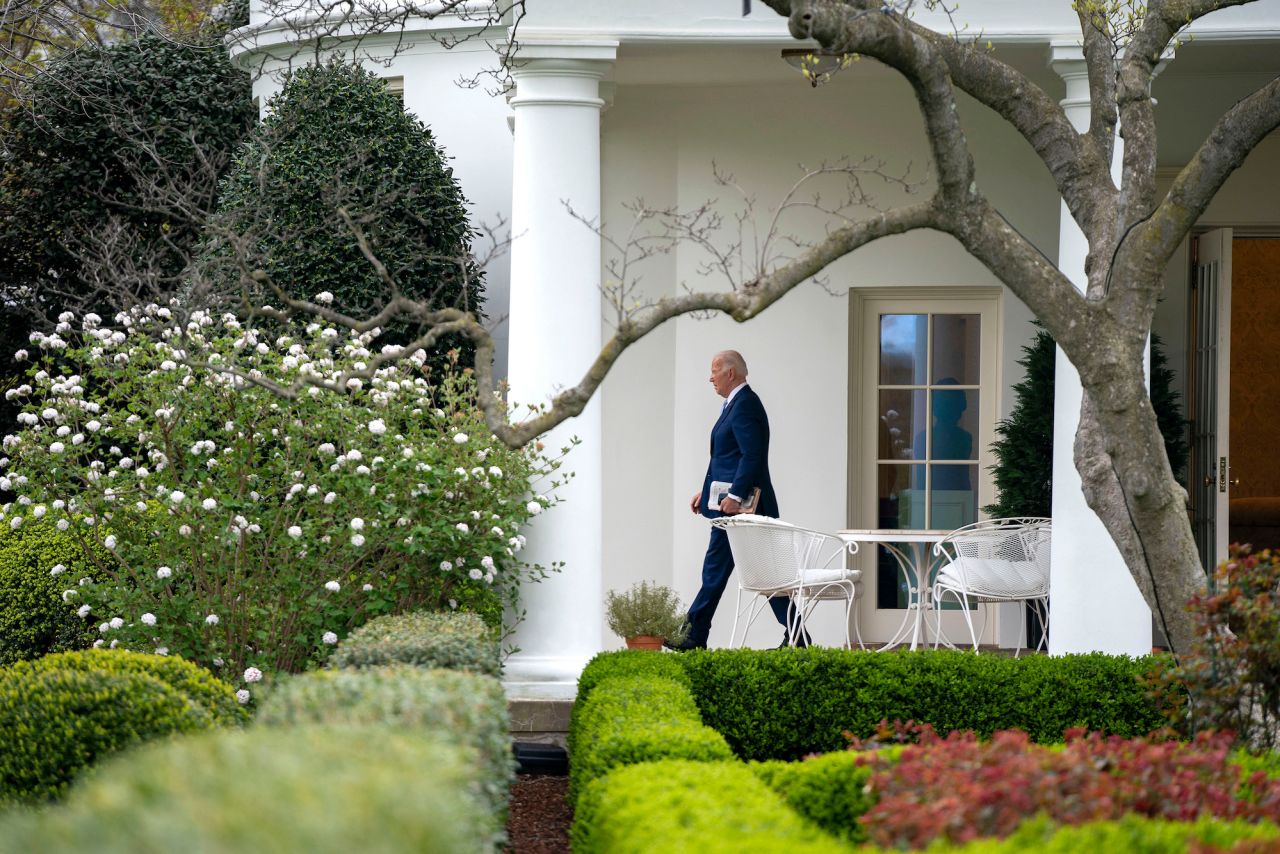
x=865 y=306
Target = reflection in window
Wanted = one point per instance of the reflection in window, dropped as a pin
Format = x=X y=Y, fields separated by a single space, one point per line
x=927 y=449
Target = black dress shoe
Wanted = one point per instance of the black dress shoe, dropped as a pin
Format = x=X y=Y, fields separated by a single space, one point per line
x=683 y=646
x=803 y=641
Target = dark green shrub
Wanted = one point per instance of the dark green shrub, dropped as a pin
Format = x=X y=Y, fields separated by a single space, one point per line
x=679 y=805
x=35 y=618
x=1131 y=835
x=56 y=722
x=1023 y=470
x=784 y=704
x=313 y=789
x=637 y=719
x=465 y=708
x=452 y=640
x=335 y=138
x=610 y=665
x=191 y=680
x=83 y=159
x=829 y=790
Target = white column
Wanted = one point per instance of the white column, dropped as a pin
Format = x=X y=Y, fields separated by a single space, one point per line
x=1094 y=603
x=555 y=329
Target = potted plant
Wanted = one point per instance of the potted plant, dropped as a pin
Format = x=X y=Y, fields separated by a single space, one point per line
x=645 y=615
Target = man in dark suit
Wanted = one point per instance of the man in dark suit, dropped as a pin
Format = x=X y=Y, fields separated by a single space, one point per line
x=739 y=456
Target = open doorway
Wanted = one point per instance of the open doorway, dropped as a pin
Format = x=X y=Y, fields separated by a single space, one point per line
x=1234 y=392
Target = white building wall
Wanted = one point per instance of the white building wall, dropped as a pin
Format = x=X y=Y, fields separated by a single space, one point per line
x=798 y=350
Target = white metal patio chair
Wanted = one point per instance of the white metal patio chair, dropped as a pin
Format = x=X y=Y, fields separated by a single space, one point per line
x=996 y=560
x=776 y=558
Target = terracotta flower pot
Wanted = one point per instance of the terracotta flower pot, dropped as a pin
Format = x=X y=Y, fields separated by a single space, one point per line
x=650 y=642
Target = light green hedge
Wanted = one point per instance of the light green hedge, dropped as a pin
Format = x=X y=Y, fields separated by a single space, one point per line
x=193 y=681
x=634 y=719
x=466 y=708
x=320 y=790
x=630 y=662
x=457 y=641
x=55 y=722
x=34 y=617
x=829 y=790
x=1131 y=835
x=682 y=805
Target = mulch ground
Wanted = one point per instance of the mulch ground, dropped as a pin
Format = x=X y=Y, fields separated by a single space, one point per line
x=539 y=817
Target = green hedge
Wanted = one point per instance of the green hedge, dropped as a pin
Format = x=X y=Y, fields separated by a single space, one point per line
x=57 y=721
x=784 y=704
x=635 y=719
x=681 y=805
x=192 y=681
x=468 y=708
x=829 y=790
x=34 y=617
x=456 y=641
x=630 y=662
x=1131 y=835
x=314 y=789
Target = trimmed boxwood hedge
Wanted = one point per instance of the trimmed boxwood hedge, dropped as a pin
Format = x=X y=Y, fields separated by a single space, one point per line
x=191 y=680
x=457 y=641
x=630 y=662
x=469 y=708
x=784 y=704
x=829 y=790
x=315 y=789
x=635 y=719
x=1131 y=834
x=57 y=721
x=34 y=618
x=681 y=805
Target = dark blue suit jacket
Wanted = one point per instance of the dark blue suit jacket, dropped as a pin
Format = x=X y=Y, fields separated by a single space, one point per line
x=740 y=453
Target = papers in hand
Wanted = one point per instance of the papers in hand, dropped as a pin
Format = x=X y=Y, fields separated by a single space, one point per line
x=720 y=491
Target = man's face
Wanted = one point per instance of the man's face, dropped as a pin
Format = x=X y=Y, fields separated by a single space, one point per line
x=723 y=377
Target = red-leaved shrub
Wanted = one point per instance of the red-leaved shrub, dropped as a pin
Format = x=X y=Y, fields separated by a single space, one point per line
x=960 y=789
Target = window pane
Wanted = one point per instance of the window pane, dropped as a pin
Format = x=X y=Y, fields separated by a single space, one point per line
x=956 y=342
x=901 y=496
x=953 y=501
x=955 y=423
x=902 y=414
x=903 y=343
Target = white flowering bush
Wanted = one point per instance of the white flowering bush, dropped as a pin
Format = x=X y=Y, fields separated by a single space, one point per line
x=241 y=529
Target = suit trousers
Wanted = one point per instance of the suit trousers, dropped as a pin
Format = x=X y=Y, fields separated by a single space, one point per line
x=717 y=566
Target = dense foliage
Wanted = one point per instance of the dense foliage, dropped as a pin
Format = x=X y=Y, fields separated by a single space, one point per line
x=247 y=532
x=37 y=613
x=470 y=707
x=1023 y=471
x=679 y=804
x=336 y=141
x=1232 y=676
x=628 y=720
x=784 y=704
x=457 y=641
x=59 y=720
x=646 y=609
x=316 y=789
x=959 y=788
x=118 y=151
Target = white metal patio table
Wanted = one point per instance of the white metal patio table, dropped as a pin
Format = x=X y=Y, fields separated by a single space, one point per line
x=914 y=564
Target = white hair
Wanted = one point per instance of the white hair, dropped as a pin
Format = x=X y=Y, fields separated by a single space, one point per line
x=732 y=359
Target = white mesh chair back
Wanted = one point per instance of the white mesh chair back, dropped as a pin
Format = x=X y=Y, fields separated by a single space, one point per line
x=768 y=553
x=998 y=559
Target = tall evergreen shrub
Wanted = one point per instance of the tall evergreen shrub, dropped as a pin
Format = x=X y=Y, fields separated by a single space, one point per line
x=1023 y=470
x=336 y=141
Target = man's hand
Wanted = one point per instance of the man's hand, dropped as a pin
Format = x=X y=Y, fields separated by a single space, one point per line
x=694 y=502
x=730 y=506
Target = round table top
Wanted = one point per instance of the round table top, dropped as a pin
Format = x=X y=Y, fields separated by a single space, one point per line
x=892 y=535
